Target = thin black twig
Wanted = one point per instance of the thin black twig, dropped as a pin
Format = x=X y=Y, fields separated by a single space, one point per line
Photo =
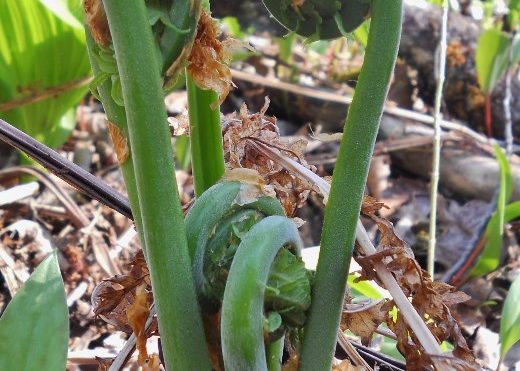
x=65 y=169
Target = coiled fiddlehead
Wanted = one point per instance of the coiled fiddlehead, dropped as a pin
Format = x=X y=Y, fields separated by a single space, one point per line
x=319 y=19
x=237 y=240
x=242 y=309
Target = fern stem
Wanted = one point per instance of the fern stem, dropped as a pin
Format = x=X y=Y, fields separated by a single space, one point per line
x=163 y=229
x=207 y=155
x=117 y=115
x=348 y=184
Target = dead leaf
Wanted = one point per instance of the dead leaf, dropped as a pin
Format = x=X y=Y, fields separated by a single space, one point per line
x=364 y=320
x=112 y=297
x=297 y=3
x=292 y=364
x=246 y=176
x=212 y=331
x=431 y=299
x=152 y=363
x=104 y=363
x=371 y=205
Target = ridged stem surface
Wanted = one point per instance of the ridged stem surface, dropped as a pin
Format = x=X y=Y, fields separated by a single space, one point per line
x=180 y=324
x=348 y=184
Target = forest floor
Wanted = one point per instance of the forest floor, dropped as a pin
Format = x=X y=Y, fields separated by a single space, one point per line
x=309 y=99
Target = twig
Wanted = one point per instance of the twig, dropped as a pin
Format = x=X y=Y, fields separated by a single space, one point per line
x=77 y=216
x=508 y=124
x=38 y=96
x=65 y=169
x=352 y=352
x=436 y=160
x=379 y=358
x=411 y=316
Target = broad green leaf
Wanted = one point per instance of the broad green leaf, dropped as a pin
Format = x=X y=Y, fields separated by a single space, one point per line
x=42 y=46
x=510 y=322
x=34 y=329
x=512 y=211
x=319 y=46
x=492 y=58
x=272 y=322
x=490 y=257
x=61 y=8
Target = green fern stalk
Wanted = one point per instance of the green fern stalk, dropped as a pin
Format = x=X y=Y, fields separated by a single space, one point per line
x=117 y=115
x=163 y=229
x=207 y=155
x=348 y=184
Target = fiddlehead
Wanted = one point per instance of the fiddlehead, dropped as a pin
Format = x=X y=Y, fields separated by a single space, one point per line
x=319 y=19
x=237 y=238
x=212 y=225
x=242 y=309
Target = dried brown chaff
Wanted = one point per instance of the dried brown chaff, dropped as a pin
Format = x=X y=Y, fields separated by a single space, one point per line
x=212 y=332
x=209 y=59
x=97 y=21
x=119 y=141
x=242 y=127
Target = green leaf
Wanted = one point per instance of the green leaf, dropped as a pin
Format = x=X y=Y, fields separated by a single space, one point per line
x=362 y=288
x=34 y=329
x=510 y=323
x=233 y=27
x=288 y=288
x=492 y=58
x=389 y=347
x=62 y=9
x=361 y=33
x=42 y=46
x=61 y=132
x=490 y=258
x=182 y=152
